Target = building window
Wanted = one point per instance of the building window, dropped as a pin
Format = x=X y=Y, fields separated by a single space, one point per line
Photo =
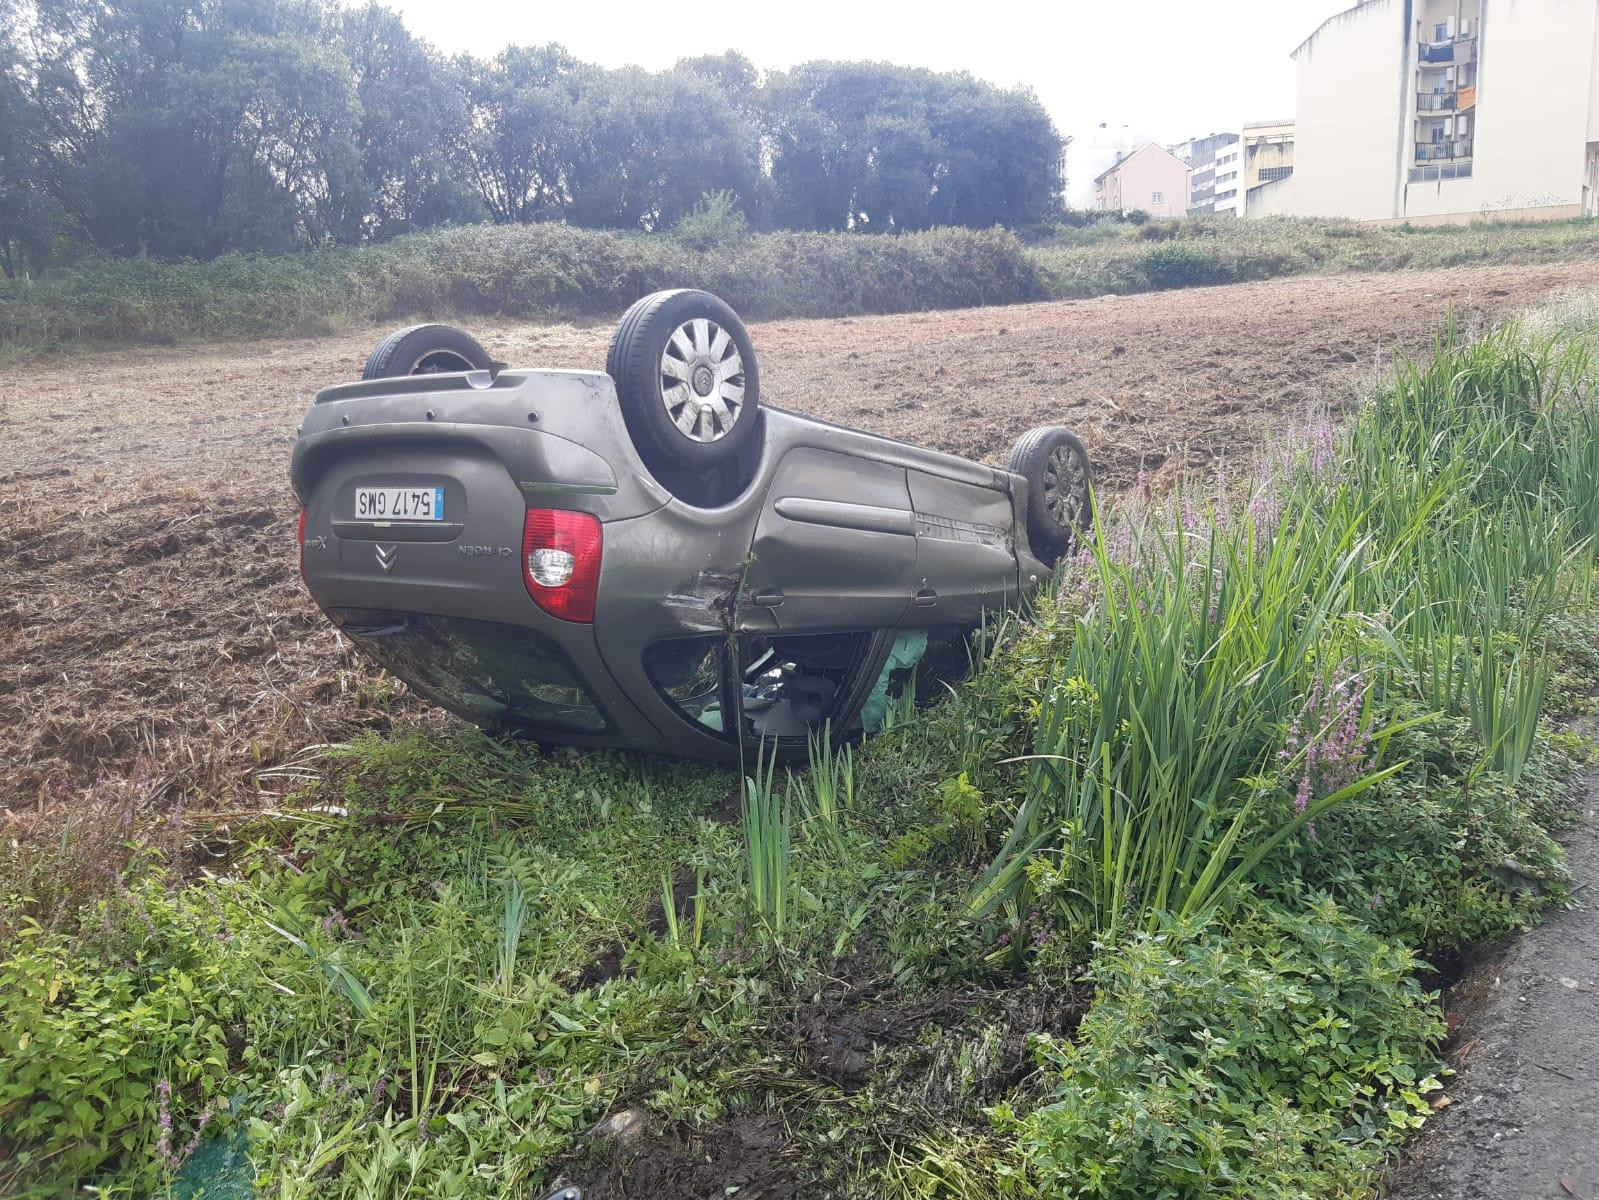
x=1440 y=32
x=1268 y=174
x=1157 y=197
x=1221 y=179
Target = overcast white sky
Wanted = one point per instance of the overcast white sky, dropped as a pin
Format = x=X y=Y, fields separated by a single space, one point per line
x=1169 y=69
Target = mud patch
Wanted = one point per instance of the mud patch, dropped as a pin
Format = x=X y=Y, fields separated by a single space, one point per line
x=751 y=1157
x=951 y=1050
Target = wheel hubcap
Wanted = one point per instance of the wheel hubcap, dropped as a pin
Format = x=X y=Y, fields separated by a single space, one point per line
x=702 y=380
x=1065 y=486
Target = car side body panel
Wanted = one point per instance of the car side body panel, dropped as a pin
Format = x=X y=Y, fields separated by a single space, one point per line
x=835 y=543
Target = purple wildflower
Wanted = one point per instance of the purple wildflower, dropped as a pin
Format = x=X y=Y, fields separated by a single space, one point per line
x=206 y=1114
x=163 y=1145
x=1334 y=747
x=143 y=913
x=335 y=924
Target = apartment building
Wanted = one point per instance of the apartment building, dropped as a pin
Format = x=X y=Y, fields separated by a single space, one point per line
x=1442 y=111
x=1213 y=185
x=1268 y=166
x=1152 y=179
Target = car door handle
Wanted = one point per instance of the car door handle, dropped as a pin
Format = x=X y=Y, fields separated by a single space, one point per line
x=926 y=598
x=768 y=600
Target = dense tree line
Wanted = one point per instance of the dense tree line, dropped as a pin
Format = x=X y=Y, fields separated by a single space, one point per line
x=190 y=128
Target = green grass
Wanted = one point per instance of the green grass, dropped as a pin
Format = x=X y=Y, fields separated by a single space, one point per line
x=1266 y=748
x=1121 y=258
x=553 y=272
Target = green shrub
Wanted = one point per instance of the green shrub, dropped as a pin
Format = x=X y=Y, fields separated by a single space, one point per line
x=1233 y=677
x=102 y=1063
x=540 y=271
x=550 y=271
x=1109 y=256
x=715 y=220
x=1174 y=266
x=1276 y=1058
x=1434 y=858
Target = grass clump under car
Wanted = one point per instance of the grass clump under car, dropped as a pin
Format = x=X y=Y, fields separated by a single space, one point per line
x=1141 y=907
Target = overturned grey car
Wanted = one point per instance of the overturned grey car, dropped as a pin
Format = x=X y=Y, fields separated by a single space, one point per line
x=651 y=558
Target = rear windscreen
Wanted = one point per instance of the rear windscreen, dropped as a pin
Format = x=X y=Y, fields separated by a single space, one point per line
x=482 y=670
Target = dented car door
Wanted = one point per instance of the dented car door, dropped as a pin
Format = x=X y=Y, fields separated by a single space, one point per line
x=819 y=562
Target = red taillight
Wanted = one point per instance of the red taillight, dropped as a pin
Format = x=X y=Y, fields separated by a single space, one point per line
x=299 y=538
x=561 y=562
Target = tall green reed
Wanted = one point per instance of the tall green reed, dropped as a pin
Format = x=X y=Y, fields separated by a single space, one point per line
x=1419 y=553
x=768 y=858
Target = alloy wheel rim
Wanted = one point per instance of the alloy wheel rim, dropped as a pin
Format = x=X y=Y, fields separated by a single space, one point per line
x=1065 y=486
x=702 y=381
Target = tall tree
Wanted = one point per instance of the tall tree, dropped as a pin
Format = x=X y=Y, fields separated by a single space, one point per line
x=522 y=130
x=877 y=147
x=412 y=112
x=653 y=145
x=191 y=127
x=1000 y=156
x=25 y=225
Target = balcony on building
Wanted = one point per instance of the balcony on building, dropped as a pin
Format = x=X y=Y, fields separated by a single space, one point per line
x=1450 y=50
x=1436 y=101
x=1441 y=171
x=1448 y=150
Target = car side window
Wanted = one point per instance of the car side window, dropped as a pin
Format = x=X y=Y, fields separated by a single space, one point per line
x=788 y=687
x=690 y=673
x=919 y=670
x=795 y=685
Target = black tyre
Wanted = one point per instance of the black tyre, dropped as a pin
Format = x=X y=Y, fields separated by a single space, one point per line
x=687 y=380
x=426 y=350
x=1056 y=468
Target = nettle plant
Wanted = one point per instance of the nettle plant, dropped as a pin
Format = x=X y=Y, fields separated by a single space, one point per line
x=1274 y=1057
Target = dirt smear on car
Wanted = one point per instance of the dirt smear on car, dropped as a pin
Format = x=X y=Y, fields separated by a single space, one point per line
x=152 y=623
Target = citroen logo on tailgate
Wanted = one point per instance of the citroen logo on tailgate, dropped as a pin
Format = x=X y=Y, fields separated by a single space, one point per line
x=386 y=556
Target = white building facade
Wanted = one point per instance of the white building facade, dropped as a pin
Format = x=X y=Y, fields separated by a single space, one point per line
x=1442 y=111
x=1214 y=185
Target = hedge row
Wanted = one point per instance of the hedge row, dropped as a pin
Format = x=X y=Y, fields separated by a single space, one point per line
x=540 y=271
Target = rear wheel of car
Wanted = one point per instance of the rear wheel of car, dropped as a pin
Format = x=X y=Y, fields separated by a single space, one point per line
x=686 y=379
x=426 y=350
x=1055 y=465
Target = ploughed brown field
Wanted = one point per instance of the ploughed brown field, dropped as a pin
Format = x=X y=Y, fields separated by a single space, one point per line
x=153 y=631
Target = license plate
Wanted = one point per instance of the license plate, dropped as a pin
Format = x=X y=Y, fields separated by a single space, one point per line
x=399 y=504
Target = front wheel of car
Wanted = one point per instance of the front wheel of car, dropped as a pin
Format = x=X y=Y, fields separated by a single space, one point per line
x=1055 y=465
x=686 y=379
